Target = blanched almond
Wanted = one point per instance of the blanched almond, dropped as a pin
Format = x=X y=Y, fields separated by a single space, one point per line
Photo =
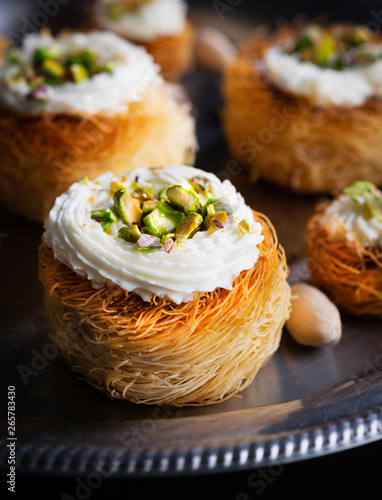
x=213 y=49
x=314 y=319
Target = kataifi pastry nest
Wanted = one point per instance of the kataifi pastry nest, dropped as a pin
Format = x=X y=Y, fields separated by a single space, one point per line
x=43 y=154
x=288 y=140
x=173 y=53
x=349 y=272
x=196 y=353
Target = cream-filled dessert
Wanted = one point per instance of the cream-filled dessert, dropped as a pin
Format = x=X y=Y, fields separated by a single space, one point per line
x=182 y=232
x=339 y=67
x=159 y=25
x=142 y=19
x=80 y=72
x=345 y=248
x=178 y=290
x=303 y=106
x=359 y=208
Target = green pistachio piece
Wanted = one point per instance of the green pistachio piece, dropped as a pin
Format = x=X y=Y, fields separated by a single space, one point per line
x=43 y=53
x=210 y=220
x=166 y=237
x=183 y=199
x=148 y=206
x=374 y=204
x=85 y=58
x=162 y=194
x=188 y=226
x=325 y=49
x=105 y=216
x=162 y=220
x=130 y=233
x=79 y=72
x=127 y=208
x=53 y=68
x=358 y=188
x=208 y=208
x=357 y=36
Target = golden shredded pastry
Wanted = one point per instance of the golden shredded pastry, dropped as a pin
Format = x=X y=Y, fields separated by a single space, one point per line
x=350 y=273
x=288 y=140
x=42 y=155
x=196 y=353
x=173 y=53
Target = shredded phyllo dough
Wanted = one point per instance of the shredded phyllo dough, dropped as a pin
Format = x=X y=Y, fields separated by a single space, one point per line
x=348 y=269
x=195 y=353
x=288 y=139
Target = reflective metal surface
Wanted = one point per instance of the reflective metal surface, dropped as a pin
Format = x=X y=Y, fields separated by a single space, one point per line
x=305 y=402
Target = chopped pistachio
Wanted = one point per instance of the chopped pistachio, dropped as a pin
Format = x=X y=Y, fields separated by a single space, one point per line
x=130 y=233
x=43 y=53
x=127 y=208
x=356 y=36
x=325 y=49
x=162 y=194
x=169 y=245
x=187 y=227
x=79 y=72
x=105 y=216
x=162 y=220
x=148 y=242
x=243 y=226
x=166 y=237
x=148 y=206
x=183 y=199
x=209 y=221
x=53 y=69
x=358 y=188
x=116 y=186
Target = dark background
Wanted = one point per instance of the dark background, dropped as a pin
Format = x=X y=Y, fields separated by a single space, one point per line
x=352 y=473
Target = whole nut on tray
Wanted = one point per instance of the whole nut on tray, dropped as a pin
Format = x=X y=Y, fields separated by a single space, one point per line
x=314 y=319
x=213 y=49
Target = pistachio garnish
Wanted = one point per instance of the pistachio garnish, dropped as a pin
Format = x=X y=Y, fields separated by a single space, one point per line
x=162 y=220
x=126 y=206
x=367 y=193
x=184 y=199
x=105 y=216
x=130 y=233
x=148 y=242
x=337 y=48
x=215 y=220
x=187 y=226
x=153 y=223
x=50 y=66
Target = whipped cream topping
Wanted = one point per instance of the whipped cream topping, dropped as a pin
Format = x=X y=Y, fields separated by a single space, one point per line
x=352 y=215
x=209 y=260
x=157 y=18
x=324 y=86
x=134 y=73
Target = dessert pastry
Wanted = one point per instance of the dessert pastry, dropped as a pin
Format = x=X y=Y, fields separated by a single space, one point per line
x=159 y=25
x=162 y=286
x=345 y=249
x=3 y=47
x=303 y=108
x=81 y=104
